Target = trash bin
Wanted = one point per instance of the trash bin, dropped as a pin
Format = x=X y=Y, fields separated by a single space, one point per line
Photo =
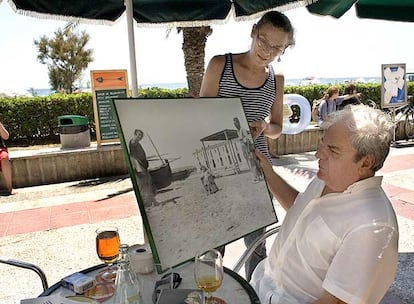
x=74 y=131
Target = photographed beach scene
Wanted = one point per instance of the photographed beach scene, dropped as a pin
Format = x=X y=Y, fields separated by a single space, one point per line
x=214 y=197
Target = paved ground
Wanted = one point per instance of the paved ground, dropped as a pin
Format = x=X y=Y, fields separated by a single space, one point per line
x=53 y=226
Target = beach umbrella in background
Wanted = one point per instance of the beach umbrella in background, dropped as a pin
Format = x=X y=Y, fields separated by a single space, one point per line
x=393 y=10
x=168 y=13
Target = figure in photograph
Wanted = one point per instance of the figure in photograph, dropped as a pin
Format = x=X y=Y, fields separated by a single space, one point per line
x=245 y=142
x=248 y=150
x=250 y=76
x=208 y=181
x=140 y=165
x=339 y=240
x=5 y=164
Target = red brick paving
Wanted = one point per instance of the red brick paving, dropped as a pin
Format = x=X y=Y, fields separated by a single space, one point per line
x=77 y=213
x=67 y=215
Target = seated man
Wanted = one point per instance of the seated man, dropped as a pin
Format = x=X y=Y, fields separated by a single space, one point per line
x=339 y=240
x=5 y=165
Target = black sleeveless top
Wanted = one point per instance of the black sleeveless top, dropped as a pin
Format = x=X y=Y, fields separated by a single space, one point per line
x=257 y=102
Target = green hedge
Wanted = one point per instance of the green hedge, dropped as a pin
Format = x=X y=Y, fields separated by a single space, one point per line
x=33 y=120
x=369 y=91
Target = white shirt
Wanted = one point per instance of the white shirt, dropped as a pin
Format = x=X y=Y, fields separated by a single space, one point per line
x=344 y=243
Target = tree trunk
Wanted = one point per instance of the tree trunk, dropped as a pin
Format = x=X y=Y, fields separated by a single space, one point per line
x=194 y=43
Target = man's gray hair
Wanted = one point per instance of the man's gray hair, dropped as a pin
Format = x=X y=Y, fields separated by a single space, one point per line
x=372 y=131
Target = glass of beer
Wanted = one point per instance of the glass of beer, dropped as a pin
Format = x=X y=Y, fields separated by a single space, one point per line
x=107 y=246
x=208 y=272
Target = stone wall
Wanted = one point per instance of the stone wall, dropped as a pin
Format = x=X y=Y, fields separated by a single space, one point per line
x=56 y=165
x=305 y=141
x=40 y=167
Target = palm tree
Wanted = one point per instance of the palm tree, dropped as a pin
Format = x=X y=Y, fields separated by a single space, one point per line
x=194 y=43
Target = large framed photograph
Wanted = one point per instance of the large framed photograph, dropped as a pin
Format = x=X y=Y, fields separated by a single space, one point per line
x=194 y=173
x=394 y=87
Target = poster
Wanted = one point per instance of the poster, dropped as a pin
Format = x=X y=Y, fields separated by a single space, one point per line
x=394 y=87
x=107 y=84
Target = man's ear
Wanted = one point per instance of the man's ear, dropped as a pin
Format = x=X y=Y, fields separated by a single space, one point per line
x=367 y=163
x=252 y=34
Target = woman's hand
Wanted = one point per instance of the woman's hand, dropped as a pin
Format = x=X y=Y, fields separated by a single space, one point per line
x=257 y=127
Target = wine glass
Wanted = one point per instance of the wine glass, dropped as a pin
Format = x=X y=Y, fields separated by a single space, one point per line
x=107 y=249
x=208 y=271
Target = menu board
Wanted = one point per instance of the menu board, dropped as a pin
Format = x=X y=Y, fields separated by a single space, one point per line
x=106 y=85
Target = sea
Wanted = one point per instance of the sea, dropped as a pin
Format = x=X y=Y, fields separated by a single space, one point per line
x=288 y=82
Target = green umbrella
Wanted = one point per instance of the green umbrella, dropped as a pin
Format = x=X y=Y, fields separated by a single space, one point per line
x=393 y=10
x=182 y=12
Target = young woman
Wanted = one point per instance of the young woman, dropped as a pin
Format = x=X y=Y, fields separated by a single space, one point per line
x=250 y=76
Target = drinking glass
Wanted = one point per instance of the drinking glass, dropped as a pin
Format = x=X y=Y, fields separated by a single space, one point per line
x=107 y=249
x=208 y=271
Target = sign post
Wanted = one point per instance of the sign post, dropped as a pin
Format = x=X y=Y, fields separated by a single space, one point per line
x=107 y=84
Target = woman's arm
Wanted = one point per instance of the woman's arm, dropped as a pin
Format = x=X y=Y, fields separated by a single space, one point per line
x=3 y=132
x=273 y=128
x=211 y=79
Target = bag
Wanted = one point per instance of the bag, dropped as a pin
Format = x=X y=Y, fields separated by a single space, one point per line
x=315 y=109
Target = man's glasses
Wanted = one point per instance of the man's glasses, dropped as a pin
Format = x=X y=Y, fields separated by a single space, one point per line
x=275 y=50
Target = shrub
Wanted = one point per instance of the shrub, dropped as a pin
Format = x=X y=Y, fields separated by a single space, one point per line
x=33 y=120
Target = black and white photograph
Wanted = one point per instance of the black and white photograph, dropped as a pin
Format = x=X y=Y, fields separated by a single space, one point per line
x=197 y=181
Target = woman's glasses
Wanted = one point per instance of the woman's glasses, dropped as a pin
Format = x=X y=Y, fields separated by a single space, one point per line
x=262 y=42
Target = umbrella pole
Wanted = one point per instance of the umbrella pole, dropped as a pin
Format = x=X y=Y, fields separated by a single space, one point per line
x=131 y=42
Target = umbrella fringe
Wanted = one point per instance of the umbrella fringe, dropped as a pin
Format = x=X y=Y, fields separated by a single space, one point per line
x=192 y=23
x=59 y=17
x=281 y=8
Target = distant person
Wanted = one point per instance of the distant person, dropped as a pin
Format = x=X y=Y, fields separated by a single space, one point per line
x=140 y=165
x=339 y=240
x=354 y=97
x=5 y=164
x=330 y=103
x=250 y=76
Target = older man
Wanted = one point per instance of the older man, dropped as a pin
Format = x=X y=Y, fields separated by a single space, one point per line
x=339 y=240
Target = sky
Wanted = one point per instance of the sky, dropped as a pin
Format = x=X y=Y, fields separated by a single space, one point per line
x=325 y=47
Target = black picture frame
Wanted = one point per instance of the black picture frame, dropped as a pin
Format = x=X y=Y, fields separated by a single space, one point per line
x=187 y=142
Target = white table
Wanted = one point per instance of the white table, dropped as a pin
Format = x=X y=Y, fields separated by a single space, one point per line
x=234 y=289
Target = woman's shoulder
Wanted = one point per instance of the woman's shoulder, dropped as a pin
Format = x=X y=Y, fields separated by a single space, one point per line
x=217 y=60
